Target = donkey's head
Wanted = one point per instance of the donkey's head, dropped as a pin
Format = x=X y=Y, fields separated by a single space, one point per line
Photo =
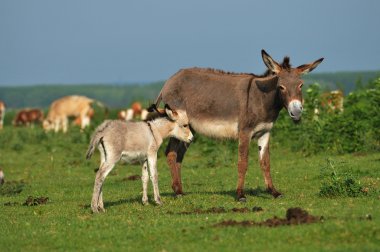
x=177 y=122
x=288 y=82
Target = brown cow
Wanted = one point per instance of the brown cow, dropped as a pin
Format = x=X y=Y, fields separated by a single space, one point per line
x=137 y=108
x=238 y=106
x=2 y=114
x=27 y=117
x=332 y=101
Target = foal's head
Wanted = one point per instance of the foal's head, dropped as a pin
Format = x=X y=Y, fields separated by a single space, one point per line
x=289 y=83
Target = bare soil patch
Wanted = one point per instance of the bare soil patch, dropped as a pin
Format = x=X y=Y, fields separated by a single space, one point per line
x=294 y=216
x=31 y=201
x=218 y=210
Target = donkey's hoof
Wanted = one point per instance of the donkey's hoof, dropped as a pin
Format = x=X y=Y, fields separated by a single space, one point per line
x=278 y=196
x=145 y=202
x=242 y=199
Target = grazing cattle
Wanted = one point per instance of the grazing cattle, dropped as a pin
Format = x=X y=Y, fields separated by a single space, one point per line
x=69 y=106
x=231 y=105
x=137 y=108
x=1 y=177
x=134 y=142
x=2 y=114
x=27 y=117
x=332 y=101
x=135 y=112
x=90 y=115
x=125 y=115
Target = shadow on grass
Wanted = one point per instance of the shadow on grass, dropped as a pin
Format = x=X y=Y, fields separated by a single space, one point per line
x=116 y=203
x=256 y=192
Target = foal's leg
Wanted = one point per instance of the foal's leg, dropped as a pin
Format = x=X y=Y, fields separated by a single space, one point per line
x=244 y=140
x=263 y=143
x=152 y=163
x=145 y=180
x=175 y=152
x=97 y=198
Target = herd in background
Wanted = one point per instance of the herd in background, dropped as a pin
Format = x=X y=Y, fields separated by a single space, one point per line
x=80 y=108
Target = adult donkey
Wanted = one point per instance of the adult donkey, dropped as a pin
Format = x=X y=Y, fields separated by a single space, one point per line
x=234 y=105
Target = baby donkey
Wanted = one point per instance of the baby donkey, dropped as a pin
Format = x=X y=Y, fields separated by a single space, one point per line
x=135 y=142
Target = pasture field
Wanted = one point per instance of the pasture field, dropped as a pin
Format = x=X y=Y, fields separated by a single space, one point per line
x=54 y=166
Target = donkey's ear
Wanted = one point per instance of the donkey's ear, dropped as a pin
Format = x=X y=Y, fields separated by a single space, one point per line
x=303 y=69
x=172 y=114
x=270 y=63
x=268 y=84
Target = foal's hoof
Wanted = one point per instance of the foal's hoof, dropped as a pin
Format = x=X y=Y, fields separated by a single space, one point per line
x=159 y=203
x=178 y=196
x=96 y=210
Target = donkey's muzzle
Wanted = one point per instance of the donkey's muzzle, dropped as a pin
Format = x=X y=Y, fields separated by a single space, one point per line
x=295 y=110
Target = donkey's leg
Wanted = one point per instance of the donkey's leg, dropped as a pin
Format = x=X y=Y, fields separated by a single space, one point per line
x=97 y=199
x=152 y=163
x=264 y=157
x=145 y=180
x=244 y=140
x=175 y=152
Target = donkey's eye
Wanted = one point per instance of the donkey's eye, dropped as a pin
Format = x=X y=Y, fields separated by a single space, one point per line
x=300 y=86
x=186 y=125
x=283 y=88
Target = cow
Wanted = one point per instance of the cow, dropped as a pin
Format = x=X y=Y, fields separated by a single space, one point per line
x=332 y=101
x=2 y=114
x=234 y=105
x=2 y=181
x=27 y=117
x=90 y=115
x=135 y=112
x=69 y=106
x=125 y=115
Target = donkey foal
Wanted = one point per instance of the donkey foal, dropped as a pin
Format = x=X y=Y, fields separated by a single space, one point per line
x=135 y=142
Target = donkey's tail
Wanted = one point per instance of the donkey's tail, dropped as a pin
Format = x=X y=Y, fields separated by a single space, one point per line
x=96 y=138
x=158 y=100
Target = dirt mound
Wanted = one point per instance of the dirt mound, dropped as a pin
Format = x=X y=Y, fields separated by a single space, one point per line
x=294 y=216
x=217 y=210
x=30 y=201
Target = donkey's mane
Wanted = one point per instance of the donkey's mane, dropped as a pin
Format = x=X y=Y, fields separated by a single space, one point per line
x=285 y=65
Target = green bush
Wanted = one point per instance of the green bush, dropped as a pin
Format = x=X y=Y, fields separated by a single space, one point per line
x=338 y=180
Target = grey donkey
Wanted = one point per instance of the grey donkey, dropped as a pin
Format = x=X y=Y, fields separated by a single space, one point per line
x=135 y=142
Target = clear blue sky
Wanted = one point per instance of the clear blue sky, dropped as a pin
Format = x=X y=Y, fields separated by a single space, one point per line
x=97 y=41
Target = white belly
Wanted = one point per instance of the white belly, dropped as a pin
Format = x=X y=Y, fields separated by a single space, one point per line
x=133 y=157
x=216 y=128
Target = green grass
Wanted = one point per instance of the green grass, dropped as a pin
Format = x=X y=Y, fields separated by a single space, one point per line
x=54 y=166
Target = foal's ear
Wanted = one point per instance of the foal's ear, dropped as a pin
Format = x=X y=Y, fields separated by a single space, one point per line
x=267 y=84
x=270 y=63
x=172 y=114
x=303 y=69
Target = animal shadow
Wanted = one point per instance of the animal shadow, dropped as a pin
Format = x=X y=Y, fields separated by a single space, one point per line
x=108 y=204
x=257 y=192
